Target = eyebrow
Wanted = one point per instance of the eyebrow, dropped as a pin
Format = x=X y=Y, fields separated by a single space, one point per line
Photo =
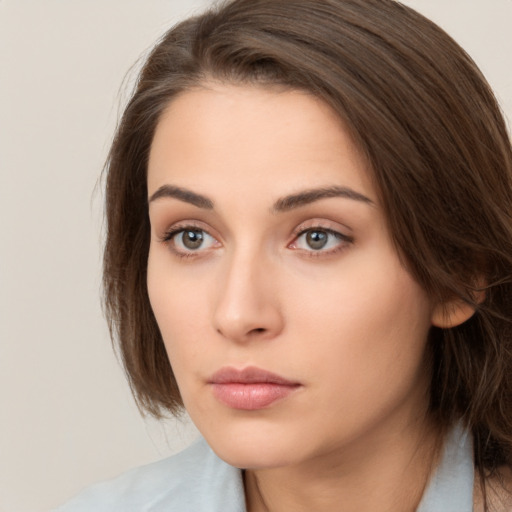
x=184 y=195
x=310 y=196
x=283 y=204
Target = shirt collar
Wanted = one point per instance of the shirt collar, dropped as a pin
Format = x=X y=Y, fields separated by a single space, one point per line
x=450 y=487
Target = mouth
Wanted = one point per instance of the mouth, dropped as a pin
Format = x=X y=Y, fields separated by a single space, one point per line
x=251 y=388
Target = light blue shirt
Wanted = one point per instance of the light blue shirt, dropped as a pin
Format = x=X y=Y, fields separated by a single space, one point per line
x=196 y=480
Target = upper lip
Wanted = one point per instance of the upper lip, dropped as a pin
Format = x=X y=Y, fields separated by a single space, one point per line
x=248 y=375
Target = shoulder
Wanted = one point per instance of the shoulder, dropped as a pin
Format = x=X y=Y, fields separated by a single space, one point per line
x=188 y=481
x=498 y=492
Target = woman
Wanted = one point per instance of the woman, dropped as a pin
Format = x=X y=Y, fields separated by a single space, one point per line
x=309 y=248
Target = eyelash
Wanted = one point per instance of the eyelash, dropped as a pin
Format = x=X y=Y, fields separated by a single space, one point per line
x=169 y=236
x=344 y=240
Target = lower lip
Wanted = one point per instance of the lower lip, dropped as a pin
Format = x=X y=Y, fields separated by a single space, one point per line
x=251 y=397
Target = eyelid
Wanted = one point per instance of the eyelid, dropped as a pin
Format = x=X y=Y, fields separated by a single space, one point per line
x=333 y=228
x=168 y=233
x=324 y=224
x=171 y=232
x=165 y=233
x=329 y=227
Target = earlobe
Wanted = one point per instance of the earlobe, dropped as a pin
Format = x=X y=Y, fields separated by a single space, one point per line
x=452 y=313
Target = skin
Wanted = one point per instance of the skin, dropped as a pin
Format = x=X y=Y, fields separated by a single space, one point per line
x=347 y=321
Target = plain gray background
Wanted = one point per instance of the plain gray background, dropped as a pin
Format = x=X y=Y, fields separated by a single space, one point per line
x=67 y=417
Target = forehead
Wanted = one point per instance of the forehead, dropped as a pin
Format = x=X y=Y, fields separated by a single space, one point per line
x=252 y=138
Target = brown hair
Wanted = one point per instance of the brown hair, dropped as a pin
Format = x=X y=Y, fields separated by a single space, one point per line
x=422 y=113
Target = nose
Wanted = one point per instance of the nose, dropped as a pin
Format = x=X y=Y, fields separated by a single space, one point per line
x=247 y=305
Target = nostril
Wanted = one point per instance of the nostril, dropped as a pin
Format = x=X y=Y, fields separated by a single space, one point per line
x=258 y=330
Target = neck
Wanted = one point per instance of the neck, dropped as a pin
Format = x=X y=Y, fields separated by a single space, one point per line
x=383 y=470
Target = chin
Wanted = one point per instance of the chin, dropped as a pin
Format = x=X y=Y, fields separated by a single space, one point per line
x=254 y=448
x=252 y=455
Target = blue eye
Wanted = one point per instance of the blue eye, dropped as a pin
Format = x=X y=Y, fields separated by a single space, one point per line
x=320 y=239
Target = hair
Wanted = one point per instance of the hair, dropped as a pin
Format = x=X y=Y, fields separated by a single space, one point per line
x=420 y=111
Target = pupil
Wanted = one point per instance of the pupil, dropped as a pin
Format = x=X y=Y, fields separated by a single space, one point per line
x=316 y=239
x=192 y=239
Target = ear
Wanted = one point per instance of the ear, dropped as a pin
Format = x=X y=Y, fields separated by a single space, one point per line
x=452 y=313
x=455 y=312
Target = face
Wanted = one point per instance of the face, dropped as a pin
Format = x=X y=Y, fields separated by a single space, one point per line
x=291 y=325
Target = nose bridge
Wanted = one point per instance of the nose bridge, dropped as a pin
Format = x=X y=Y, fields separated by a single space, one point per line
x=247 y=301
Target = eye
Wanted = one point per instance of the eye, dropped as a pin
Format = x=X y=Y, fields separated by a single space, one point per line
x=320 y=240
x=186 y=240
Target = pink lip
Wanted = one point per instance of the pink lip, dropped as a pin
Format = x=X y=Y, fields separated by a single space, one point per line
x=251 y=388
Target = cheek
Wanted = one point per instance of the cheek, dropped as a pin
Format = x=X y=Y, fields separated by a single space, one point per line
x=179 y=304
x=164 y=295
x=373 y=326
x=370 y=298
